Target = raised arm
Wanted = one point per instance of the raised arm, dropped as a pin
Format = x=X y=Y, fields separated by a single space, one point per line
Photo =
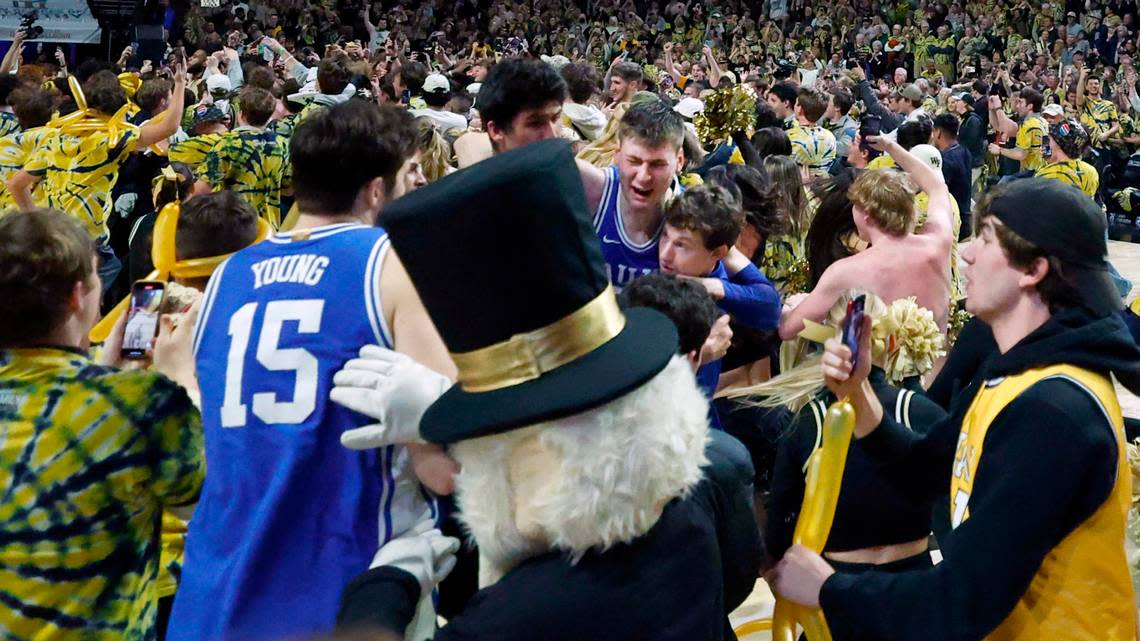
x=714 y=68
x=157 y=131
x=939 y=219
x=998 y=120
x=12 y=58
x=1081 y=87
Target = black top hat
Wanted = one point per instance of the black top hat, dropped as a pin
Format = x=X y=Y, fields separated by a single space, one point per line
x=507 y=263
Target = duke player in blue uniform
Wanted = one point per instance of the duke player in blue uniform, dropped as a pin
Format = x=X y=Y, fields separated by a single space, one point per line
x=287 y=514
x=629 y=198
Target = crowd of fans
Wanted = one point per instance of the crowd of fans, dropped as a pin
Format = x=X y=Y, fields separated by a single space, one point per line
x=749 y=168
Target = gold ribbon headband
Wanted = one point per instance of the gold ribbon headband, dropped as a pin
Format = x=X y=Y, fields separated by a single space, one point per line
x=524 y=357
x=167 y=265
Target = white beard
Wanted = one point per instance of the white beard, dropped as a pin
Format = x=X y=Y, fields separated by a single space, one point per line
x=617 y=467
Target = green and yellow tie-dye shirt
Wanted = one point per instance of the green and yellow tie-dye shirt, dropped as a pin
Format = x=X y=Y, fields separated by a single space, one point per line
x=254 y=164
x=78 y=173
x=15 y=149
x=8 y=123
x=193 y=151
x=88 y=457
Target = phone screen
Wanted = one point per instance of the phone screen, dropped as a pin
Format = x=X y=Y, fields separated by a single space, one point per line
x=869 y=126
x=142 y=318
x=853 y=325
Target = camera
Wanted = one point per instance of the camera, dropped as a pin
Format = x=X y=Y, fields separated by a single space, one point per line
x=28 y=25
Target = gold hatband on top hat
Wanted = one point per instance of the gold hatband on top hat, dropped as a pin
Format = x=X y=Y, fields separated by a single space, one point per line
x=524 y=357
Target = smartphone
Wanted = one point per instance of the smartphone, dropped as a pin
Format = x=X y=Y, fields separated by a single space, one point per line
x=870 y=125
x=853 y=326
x=141 y=327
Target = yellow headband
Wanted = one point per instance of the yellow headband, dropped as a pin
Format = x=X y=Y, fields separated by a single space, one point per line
x=166 y=264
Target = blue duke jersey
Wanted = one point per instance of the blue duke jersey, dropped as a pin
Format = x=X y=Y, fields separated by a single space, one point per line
x=625 y=260
x=287 y=515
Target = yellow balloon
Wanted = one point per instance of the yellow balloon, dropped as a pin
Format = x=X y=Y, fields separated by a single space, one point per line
x=824 y=478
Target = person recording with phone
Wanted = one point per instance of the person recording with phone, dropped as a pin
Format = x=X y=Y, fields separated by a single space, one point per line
x=92 y=452
x=1033 y=448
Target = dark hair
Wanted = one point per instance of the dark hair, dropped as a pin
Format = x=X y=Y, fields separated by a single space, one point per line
x=412 y=76
x=843 y=100
x=214 y=224
x=332 y=76
x=785 y=91
x=653 y=122
x=766 y=118
x=709 y=210
x=1055 y=289
x=772 y=141
x=757 y=195
x=436 y=99
x=1033 y=97
x=516 y=85
x=915 y=132
x=151 y=94
x=627 y=71
x=43 y=254
x=684 y=302
x=981 y=87
x=33 y=107
x=947 y=124
x=261 y=76
x=336 y=151
x=813 y=103
x=832 y=224
x=104 y=94
x=257 y=105
x=8 y=84
x=581 y=81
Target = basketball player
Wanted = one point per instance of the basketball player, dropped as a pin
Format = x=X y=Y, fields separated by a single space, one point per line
x=629 y=198
x=288 y=515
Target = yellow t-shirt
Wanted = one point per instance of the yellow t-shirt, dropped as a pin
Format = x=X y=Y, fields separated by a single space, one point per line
x=1031 y=138
x=193 y=151
x=1098 y=116
x=1075 y=172
x=254 y=164
x=90 y=455
x=15 y=149
x=78 y=173
x=813 y=147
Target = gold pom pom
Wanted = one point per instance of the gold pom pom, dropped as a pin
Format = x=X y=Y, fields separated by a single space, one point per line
x=910 y=338
x=726 y=112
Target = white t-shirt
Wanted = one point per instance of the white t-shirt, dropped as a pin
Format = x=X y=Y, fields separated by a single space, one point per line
x=443 y=119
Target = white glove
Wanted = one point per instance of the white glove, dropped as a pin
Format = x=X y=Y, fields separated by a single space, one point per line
x=425 y=553
x=391 y=388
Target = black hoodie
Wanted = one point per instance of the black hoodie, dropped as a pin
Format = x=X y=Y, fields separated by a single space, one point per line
x=1048 y=463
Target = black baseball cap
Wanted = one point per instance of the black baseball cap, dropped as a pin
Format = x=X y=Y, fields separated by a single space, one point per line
x=1065 y=223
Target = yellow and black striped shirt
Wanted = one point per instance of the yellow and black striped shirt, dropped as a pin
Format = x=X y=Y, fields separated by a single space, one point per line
x=254 y=164
x=79 y=172
x=1031 y=138
x=88 y=457
x=1075 y=172
x=1098 y=116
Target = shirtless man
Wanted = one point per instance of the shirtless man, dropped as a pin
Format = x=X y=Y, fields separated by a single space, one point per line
x=899 y=263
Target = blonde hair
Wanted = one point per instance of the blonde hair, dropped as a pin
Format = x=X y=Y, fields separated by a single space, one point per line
x=888 y=198
x=600 y=152
x=435 y=152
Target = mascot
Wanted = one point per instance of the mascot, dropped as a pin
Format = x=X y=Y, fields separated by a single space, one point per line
x=601 y=505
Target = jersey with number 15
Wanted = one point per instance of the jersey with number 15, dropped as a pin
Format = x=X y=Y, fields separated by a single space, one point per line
x=287 y=515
